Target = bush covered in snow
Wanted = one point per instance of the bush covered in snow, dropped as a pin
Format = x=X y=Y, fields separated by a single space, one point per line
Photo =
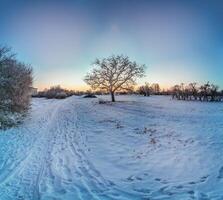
x=55 y=92
x=10 y=119
x=15 y=87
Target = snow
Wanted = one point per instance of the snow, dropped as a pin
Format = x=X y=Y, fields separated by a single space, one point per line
x=137 y=148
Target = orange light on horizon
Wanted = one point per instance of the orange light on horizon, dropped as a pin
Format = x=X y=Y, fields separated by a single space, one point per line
x=86 y=87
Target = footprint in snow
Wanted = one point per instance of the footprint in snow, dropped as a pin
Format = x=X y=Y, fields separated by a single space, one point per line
x=220 y=173
x=192 y=183
x=190 y=192
x=142 y=190
x=130 y=179
x=179 y=187
x=161 y=180
x=204 y=178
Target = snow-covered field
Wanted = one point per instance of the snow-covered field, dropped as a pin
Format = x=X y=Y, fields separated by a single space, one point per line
x=138 y=148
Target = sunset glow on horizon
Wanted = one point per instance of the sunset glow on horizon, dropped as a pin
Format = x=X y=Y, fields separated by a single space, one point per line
x=60 y=39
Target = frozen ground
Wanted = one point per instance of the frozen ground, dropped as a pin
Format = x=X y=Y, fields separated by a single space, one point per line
x=136 y=149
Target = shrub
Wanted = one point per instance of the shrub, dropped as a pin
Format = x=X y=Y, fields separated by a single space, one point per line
x=55 y=92
x=9 y=119
x=15 y=83
x=90 y=96
x=15 y=86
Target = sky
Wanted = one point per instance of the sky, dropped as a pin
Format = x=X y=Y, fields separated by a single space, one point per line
x=178 y=41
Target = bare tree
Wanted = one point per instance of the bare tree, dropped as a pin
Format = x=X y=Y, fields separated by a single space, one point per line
x=113 y=74
x=176 y=92
x=144 y=90
x=214 y=92
x=204 y=91
x=155 y=88
x=5 y=55
x=193 y=90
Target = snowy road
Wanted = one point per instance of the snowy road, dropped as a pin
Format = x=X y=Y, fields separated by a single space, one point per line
x=140 y=148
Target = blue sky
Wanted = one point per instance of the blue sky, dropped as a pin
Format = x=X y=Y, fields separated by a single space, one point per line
x=179 y=41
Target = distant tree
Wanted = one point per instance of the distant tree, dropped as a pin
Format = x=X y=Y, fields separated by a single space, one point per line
x=56 y=92
x=182 y=91
x=155 y=88
x=214 y=92
x=144 y=89
x=193 y=90
x=220 y=95
x=113 y=74
x=204 y=91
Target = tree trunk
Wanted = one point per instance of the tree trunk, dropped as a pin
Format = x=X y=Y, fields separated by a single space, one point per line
x=112 y=96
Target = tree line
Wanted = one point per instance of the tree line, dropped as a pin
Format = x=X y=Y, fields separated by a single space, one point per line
x=117 y=74
x=149 y=89
x=194 y=91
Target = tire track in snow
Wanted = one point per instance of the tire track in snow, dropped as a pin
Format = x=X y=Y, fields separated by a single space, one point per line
x=94 y=181
x=79 y=186
x=13 y=164
x=57 y=166
x=70 y=173
x=23 y=180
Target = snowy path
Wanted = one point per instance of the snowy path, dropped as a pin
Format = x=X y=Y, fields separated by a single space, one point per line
x=143 y=148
